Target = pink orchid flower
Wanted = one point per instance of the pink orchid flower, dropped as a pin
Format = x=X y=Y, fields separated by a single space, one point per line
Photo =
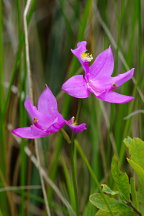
x=46 y=118
x=97 y=78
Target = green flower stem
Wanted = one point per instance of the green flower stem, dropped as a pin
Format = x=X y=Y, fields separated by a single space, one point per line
x=91 y=173
x=75 y=143
x=74 y=173
x=73 y=160
x=2 y=99
x=65 y=135
x=73 y=163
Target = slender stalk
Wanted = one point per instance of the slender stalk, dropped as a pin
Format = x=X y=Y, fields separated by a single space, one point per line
x=73 y=163
x=74 y=173
x=41 y=178
x=31 y=96
x=77 y=145
x=17 y=59
x=74 y=145
x=2 y=118
x=108 y=127
x=91 y=173
x=27 y=48
x=22 y=116
x=3 y=199
x=1 y=59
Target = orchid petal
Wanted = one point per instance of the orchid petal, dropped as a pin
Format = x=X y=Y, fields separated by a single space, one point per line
x=76 y=86
x=43 y=120
x=31 y=109
x=76 y=128
x=31 y=132
x=114 y=97
x=122 y=78
x=81 y=48
x=46 y=119
x=58 y=123
x=103 y=65
x=98 y=86
x=47 y=103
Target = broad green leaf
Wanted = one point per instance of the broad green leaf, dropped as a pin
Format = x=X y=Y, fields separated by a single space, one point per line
x=108 y=190
x=140 y=173
x=121 y=180
x=133 y=192
x=104 y=213
x=136 y=150
x=115 y=205
x=138 y=169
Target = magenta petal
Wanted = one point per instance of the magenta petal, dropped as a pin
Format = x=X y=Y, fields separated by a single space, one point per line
x=31 y=132
x=46 y=119
x=122 y=78
x=43 y=120
x=76 y=86
x=58 y=123
x=47 y=103
x=76 y=128
x=103 y=65
x=114 y=97
x=81 y=48
x=99 y=86
x=31 y=109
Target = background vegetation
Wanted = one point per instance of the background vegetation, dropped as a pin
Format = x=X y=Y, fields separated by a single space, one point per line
x=54 y=28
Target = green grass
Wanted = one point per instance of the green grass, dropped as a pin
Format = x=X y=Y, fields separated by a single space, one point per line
x=54 y=28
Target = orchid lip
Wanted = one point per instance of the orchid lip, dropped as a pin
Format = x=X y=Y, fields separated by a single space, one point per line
x=86 y=57
x=73 y=122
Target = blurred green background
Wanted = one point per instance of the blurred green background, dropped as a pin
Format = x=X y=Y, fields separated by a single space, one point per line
x=54 y=28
